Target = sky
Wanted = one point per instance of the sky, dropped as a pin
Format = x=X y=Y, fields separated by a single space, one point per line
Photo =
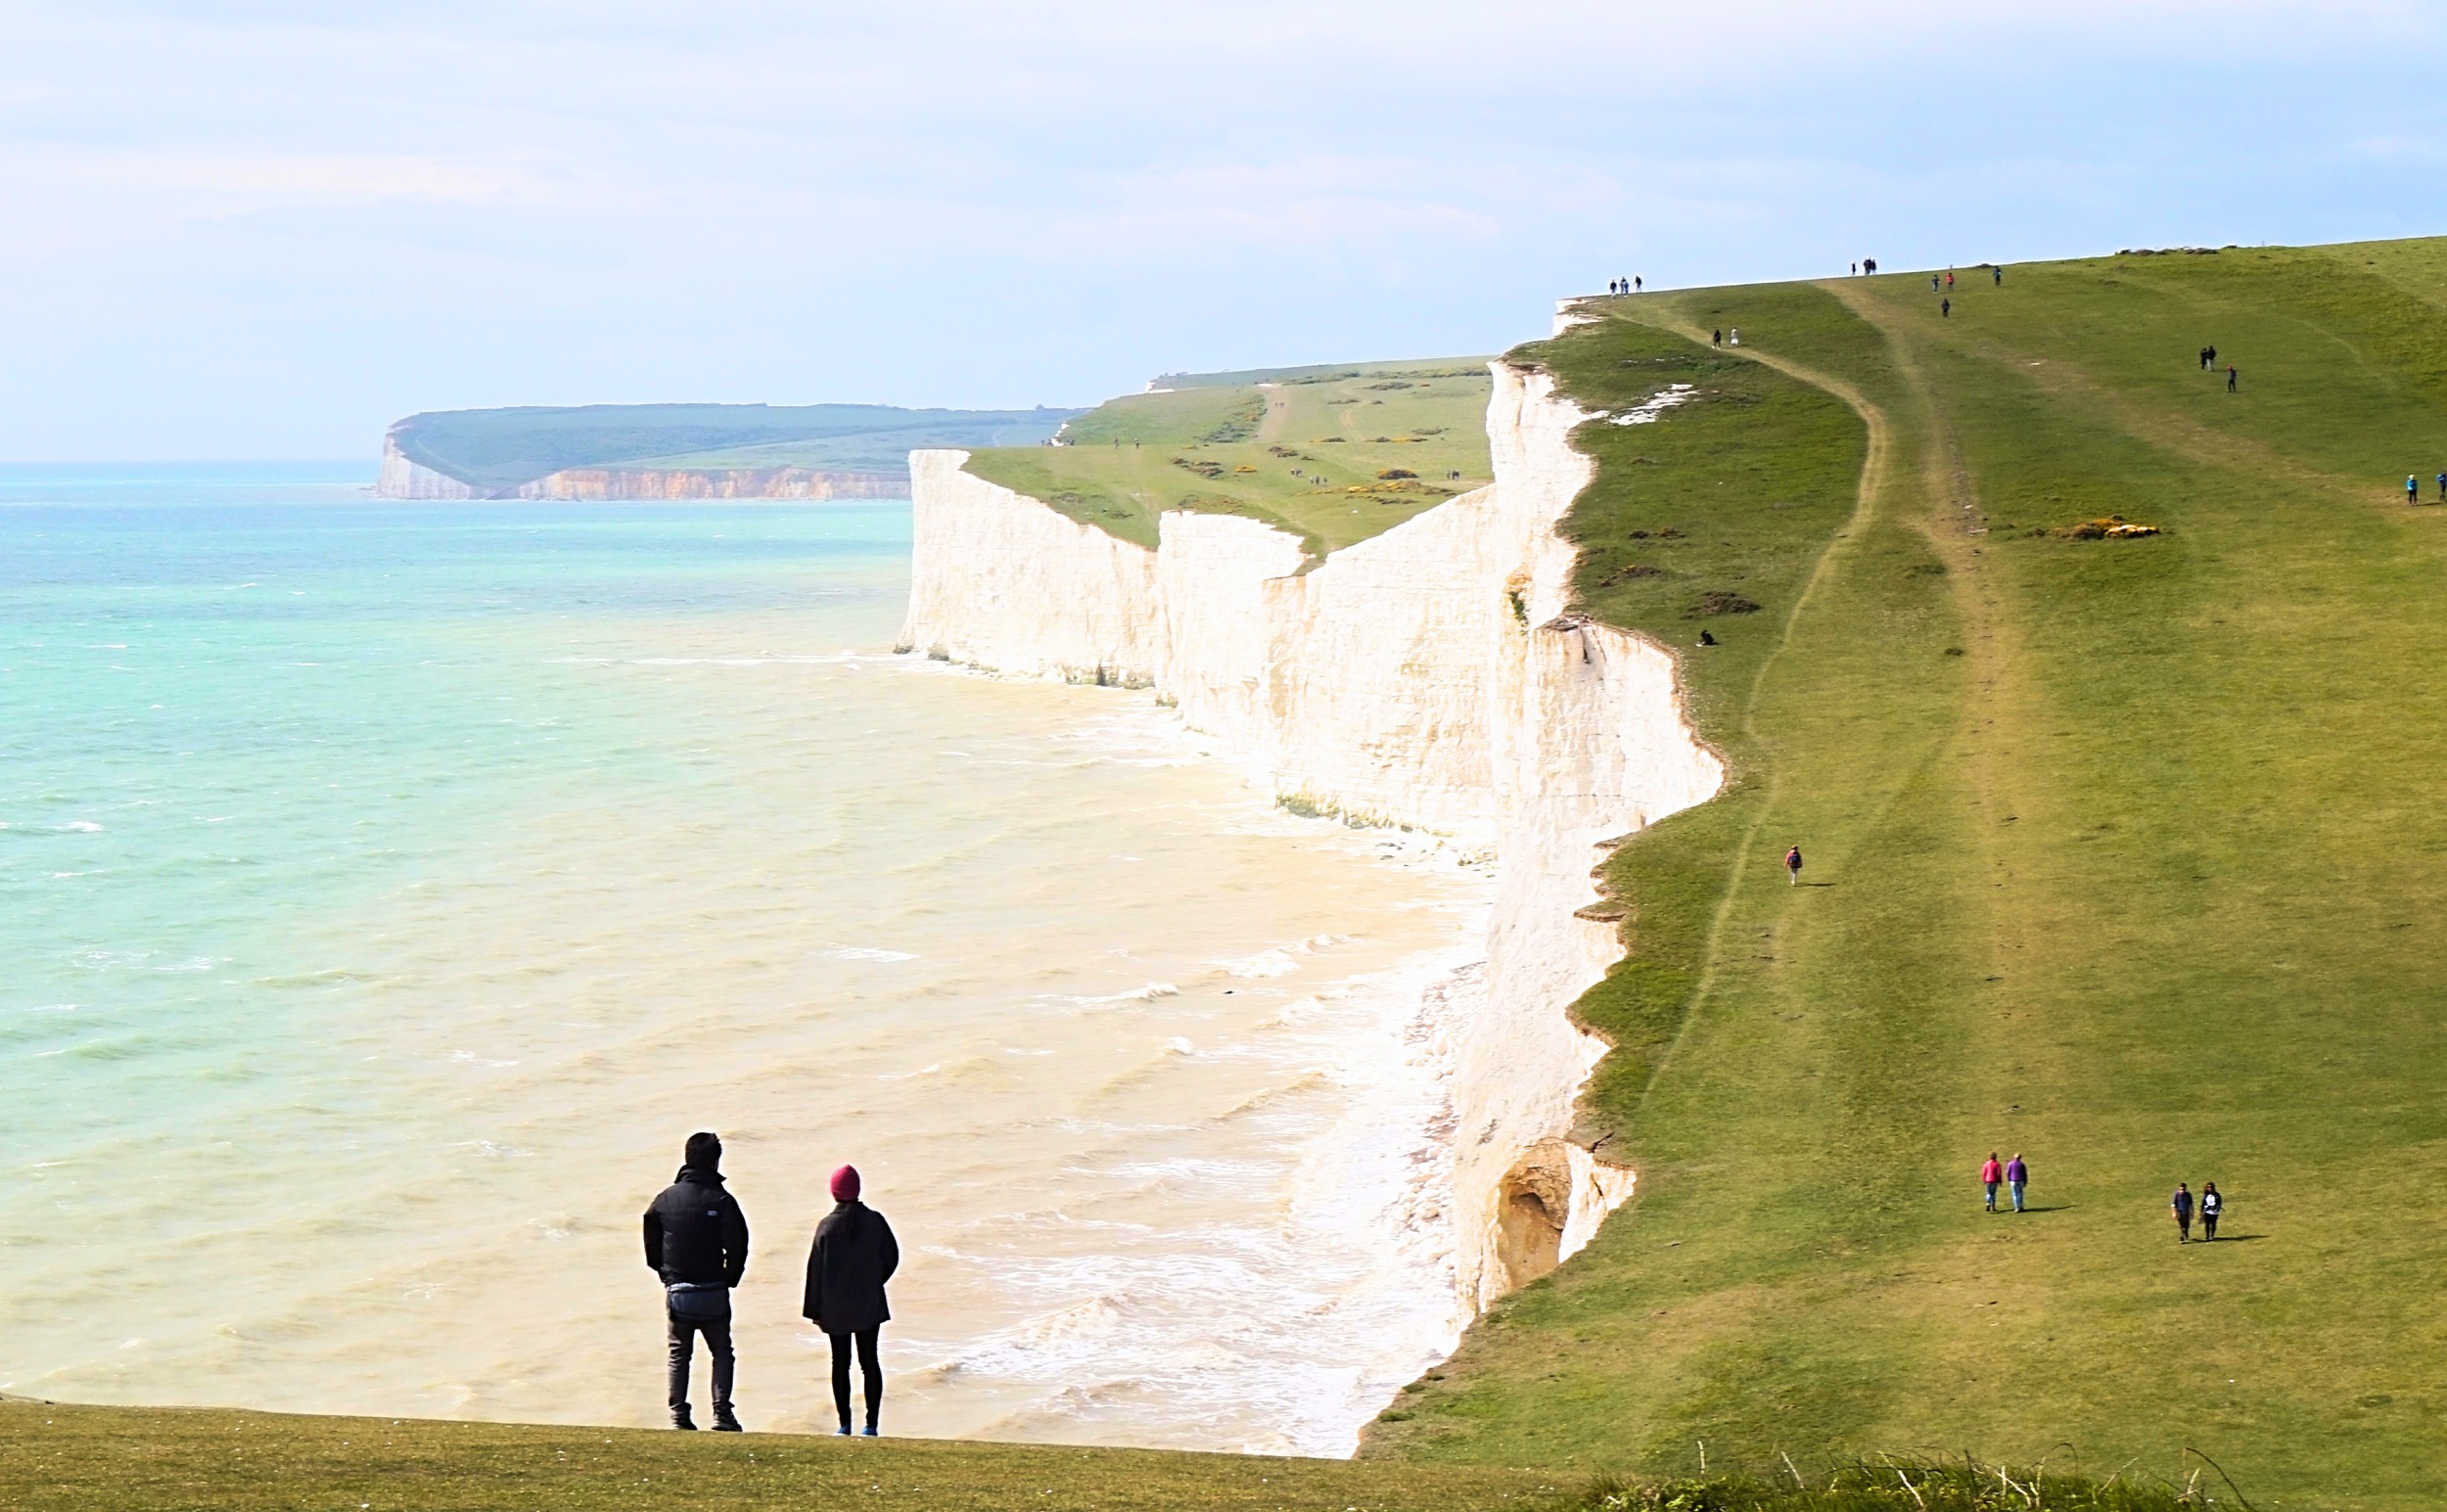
x=267 y=228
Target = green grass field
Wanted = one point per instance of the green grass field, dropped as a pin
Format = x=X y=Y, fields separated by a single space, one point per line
x=1303 y=449
x=71 y=1459
x=2124 y=854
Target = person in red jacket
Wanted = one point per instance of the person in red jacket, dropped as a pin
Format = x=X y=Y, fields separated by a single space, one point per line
x=1792 y=865
x=1989 y=1174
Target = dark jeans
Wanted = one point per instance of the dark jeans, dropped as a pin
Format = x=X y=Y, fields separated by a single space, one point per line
x=717 y=1343
x=869 y=1366
x=2208 y=1225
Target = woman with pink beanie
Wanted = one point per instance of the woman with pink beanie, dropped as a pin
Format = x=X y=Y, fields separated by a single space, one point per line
x=854 y=1254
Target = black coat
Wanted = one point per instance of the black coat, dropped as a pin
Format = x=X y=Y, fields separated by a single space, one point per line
x=696 y=1232
x=854 y=1254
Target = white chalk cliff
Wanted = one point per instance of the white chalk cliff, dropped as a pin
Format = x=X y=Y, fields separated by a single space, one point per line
x=1430 y=676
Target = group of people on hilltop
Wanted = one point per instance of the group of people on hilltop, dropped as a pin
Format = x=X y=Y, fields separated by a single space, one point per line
x=2209 y=364
x=1622 y=285
x=697 y=1242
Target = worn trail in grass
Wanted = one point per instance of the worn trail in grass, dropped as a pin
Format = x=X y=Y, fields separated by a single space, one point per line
x=2127 y=856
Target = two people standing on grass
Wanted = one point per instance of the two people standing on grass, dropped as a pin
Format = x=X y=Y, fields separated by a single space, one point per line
x=2012 y=1174
x=697 y=1242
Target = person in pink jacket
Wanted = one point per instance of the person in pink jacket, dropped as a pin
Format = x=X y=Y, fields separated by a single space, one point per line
x=1989 y=1174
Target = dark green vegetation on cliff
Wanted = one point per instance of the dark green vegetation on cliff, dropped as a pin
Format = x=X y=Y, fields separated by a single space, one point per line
x=501 y=448
x=2126 y=854
x=1333 y=454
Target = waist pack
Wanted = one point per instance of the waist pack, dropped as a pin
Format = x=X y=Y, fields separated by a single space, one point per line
x=700 y=1300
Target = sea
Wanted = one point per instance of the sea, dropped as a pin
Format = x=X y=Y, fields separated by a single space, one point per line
x=387 y=890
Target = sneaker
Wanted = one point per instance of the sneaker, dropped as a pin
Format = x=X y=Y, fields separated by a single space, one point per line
x=843 y=1432
x=725 y=1423
x=682 y=1419
x=869 y=1433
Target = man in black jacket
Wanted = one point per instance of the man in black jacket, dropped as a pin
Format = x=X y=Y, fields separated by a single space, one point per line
x=854 y=1254
x=697 y=1241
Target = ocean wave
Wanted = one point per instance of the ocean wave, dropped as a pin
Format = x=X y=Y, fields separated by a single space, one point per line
x=1264 y=964
x=865 y=953
x=1139 y=994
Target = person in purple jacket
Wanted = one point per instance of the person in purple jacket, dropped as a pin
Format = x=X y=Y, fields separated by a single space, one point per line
x=2017 y=1173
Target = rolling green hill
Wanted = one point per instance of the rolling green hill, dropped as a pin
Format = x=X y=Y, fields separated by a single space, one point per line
x=1332 y=454
x=501 y=448
x=2124 y=853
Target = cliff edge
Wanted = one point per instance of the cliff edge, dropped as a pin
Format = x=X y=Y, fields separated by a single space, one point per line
x=1430 y=676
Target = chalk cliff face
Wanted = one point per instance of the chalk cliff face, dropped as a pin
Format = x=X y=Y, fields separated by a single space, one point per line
x=1430 y=677
x=404 y=479
x=401 y=478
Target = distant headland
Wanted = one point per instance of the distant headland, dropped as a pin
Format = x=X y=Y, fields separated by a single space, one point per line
x=684 y=451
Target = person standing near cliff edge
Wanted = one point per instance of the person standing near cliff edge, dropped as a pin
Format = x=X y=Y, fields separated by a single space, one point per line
x=697 y=1241
x=854 y=1254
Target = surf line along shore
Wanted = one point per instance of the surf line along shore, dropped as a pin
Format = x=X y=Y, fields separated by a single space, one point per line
x=1426 y=677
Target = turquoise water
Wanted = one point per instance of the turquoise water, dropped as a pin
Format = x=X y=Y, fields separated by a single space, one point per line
x=386 y=889
x=273 y=696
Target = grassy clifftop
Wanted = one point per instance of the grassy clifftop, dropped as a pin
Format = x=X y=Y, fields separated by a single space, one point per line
x=1332 y=454
x=2126 y=854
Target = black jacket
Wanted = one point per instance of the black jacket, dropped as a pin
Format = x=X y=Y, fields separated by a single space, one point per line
x=854 y=1254
x=696 y=1232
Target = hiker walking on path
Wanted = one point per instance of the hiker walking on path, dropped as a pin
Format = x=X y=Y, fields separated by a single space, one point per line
x=2211 y=1206
x=854 y=1254
x=2017 y=1175
x=1950 y=280
x=697 y=1241
x=1989 y=1174
x=1720 y=335
x=1933 y=283
x=1792 y=865
x=2182 y=1207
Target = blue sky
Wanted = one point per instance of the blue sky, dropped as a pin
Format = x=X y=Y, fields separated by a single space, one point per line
x=267 y=229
